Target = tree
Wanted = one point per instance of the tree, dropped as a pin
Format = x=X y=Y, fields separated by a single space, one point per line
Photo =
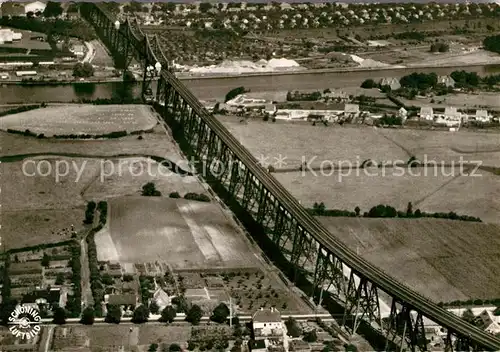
x=107 y=280
x=45 y=260
x=87 y=316
x=153 y=308
x=368 y=84
x=168 y=314
x=153 y=347
x=357 y=210
x=149 y=190
x=233 y=93
x=492 y=43
x=409 y=210
x=114 y=315
x=468 y=316
x=83 y=70
x=220 y=313
x=292 y=327
x=59 y=316
x=53 y=9
x=194 y=314
x=174 y=347
x=497 y=312
x=205 y=6
x=310 y=336
x=141 y=315
x=128 y=76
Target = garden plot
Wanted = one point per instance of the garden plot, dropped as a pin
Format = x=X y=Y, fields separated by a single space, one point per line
x=82 y=119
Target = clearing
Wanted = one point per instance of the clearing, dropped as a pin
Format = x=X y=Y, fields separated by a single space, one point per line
x=444 y=260
x=82 y=119
x=186 y=234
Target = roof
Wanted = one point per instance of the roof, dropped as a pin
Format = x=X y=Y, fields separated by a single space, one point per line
x=483 y=113
x=266 y=316
x=10 y=8
x=426 y=110
x=450 y=110
x=351 y=108
x=161 y=297
x=118 y=300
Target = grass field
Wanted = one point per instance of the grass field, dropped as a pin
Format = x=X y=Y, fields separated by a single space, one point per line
x=155 y=143
x=446 y=146
x=298 y=143
x=475 y=196
x=443 y=259
x=80 y=118
x=28 y=201
x=186 y=234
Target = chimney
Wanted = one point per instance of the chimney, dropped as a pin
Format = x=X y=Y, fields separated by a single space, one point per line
x=261 y=308
x=272 y=309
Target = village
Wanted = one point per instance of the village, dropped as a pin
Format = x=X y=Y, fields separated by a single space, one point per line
x=370 y=107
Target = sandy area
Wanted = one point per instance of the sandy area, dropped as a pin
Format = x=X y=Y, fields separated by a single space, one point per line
x=432 y=256
x=84 y=119
x=477 y=57
x=186 y=234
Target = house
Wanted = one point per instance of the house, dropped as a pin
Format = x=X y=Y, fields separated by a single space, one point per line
x=114 y=269
x=482 y=116
x=270 y=109
x=34 y=7
x=161 y=298
x=78 y=50
x=8 y=36
x=446 y=81
x=351 y=110
x=487 y=322
x=392 y=82
x=426 y=113
x=12 y=9
x=124 y=300
x=299 y=346
x=55 y=264
x=267 y=323
x=43 y=297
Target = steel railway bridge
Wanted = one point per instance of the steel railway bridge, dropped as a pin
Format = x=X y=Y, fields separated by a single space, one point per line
x=330 y=269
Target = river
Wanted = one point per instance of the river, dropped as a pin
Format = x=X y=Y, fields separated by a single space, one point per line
x=210 y=88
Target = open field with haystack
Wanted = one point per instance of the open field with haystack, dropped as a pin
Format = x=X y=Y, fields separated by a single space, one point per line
x=444 y=260
x=82 y=119
x=185 y=234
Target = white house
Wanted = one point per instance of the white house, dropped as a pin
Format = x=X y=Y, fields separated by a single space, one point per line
x=161 y=298
x=446 y=81
x=36 y=6
x=391 y=82
x=426 y=113
x=482 y=116
x=8 y=36
x=487 y=322
x=267 y=323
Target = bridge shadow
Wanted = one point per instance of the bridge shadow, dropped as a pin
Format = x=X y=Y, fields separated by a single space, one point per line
x=258 y=232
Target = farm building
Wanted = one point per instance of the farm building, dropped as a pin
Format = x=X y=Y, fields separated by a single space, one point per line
x=426 y=113
x=392 y=82
x=34 y=7
x=161 y=298
x=482 y=116
x=267 y=323
x=12 y=9
x=487 y=322
x=8 y=36
x=125 y=301
x=25 y=73
x=78 y=50
x=41 y=297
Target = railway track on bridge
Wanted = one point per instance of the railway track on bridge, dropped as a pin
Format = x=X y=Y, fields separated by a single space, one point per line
x=412 y=300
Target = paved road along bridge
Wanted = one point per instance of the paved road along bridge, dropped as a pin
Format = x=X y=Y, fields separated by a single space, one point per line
x=314 y=259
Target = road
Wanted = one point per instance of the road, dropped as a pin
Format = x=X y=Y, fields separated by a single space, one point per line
x=310 y=225
x=87 y=298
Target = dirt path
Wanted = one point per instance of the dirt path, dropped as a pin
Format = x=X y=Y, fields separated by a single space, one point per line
x=87 y=298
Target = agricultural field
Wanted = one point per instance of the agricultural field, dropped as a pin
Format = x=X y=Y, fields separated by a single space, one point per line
x=444 y=260
x=82 y=119
x=157 y=143
x=477 y=100
x=185 y=234
x=467 y=195
x=445 y=146
x=304 y=142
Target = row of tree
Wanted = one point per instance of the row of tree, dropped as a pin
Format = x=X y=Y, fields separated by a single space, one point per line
x=387 y=211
